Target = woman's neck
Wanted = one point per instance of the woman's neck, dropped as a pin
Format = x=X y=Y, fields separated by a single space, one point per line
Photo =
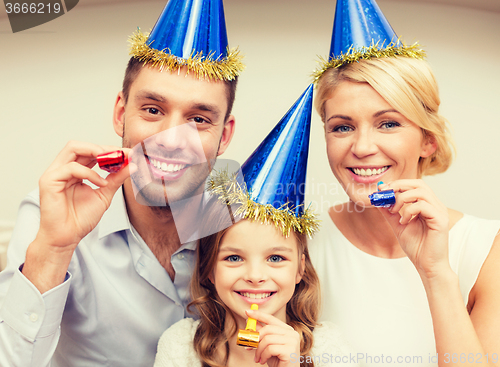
x=366 y=229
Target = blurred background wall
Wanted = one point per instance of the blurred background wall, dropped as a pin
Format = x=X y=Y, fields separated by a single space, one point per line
x=59 y=82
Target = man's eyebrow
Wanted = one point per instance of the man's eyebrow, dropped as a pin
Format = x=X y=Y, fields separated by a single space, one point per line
x=380 y=113
x=207 y=108
x=150 y=95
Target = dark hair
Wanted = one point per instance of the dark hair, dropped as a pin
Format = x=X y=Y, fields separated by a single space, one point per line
x=135 y=65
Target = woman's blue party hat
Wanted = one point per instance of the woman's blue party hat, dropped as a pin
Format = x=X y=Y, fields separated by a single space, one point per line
x=357 y=24
x=190 y=33
x=361 y=31
x=275 y=174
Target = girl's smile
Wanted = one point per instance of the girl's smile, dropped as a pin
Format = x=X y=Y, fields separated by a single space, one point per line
x=256 y=296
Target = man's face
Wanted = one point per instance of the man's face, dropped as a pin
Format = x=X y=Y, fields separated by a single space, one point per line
x=175 y=124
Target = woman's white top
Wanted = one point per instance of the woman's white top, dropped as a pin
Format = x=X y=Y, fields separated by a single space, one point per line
x=380 y=304
x=175 y=348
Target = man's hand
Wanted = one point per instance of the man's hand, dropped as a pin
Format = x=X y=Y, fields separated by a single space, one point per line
x=69 y=210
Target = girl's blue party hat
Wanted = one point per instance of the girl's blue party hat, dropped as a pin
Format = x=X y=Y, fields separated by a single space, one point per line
x=275 y=174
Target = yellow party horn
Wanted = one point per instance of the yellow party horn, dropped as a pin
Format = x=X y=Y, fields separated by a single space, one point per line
x=250 y=336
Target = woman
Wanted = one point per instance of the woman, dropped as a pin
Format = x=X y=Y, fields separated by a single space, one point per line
x=415 y=279
x=382 y=124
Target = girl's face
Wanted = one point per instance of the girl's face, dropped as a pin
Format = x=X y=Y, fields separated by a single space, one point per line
x=369 y=141
x=257 y=264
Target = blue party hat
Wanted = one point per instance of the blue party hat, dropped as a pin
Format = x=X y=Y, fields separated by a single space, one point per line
x=275 y=174
x=361 y=31
x=190 y=33
x=358 y=24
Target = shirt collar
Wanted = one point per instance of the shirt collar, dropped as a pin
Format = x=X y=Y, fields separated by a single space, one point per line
x=115 y=219
x=191 y=245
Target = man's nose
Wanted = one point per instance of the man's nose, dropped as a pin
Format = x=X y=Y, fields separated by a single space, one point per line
x=176 y=135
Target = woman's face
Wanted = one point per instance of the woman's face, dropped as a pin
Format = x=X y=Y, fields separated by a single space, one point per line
x=369 y=141
x=257 y=264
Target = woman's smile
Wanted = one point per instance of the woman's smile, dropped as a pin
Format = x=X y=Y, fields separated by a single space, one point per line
x=368 y=174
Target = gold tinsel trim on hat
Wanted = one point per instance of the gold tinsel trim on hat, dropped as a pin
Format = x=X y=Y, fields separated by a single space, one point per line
x=227 y=68
x=352 y=55
x=230 y=191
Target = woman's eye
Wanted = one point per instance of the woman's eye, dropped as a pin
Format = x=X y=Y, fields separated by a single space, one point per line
x=390 y=125
x=342 y=129
x=275 y=258
x=233 y=258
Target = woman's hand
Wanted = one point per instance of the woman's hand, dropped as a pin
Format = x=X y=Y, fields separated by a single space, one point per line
x=279 y=343
x=420 y=222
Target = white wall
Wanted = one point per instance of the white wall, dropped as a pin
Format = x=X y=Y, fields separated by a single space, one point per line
x=59 y=81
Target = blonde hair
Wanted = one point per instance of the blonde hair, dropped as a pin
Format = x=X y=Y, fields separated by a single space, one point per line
x=410 y=87
x=302 y=310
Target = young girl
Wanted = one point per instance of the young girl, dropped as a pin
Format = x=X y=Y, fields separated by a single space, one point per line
x=253 y=263
x=261 y=260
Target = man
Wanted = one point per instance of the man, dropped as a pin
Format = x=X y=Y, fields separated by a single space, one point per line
x=94 y=278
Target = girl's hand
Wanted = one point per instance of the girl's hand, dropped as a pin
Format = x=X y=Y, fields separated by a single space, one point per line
x=279 y=343
x=420 y=222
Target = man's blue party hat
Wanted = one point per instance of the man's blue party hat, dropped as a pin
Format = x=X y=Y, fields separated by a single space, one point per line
x=275 y=174
x=361 y=31
x=190 y=33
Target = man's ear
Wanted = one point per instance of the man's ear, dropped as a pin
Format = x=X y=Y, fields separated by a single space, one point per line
x=429 y=146
x=227 y=134
x=119 y=114
x=302 y=268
